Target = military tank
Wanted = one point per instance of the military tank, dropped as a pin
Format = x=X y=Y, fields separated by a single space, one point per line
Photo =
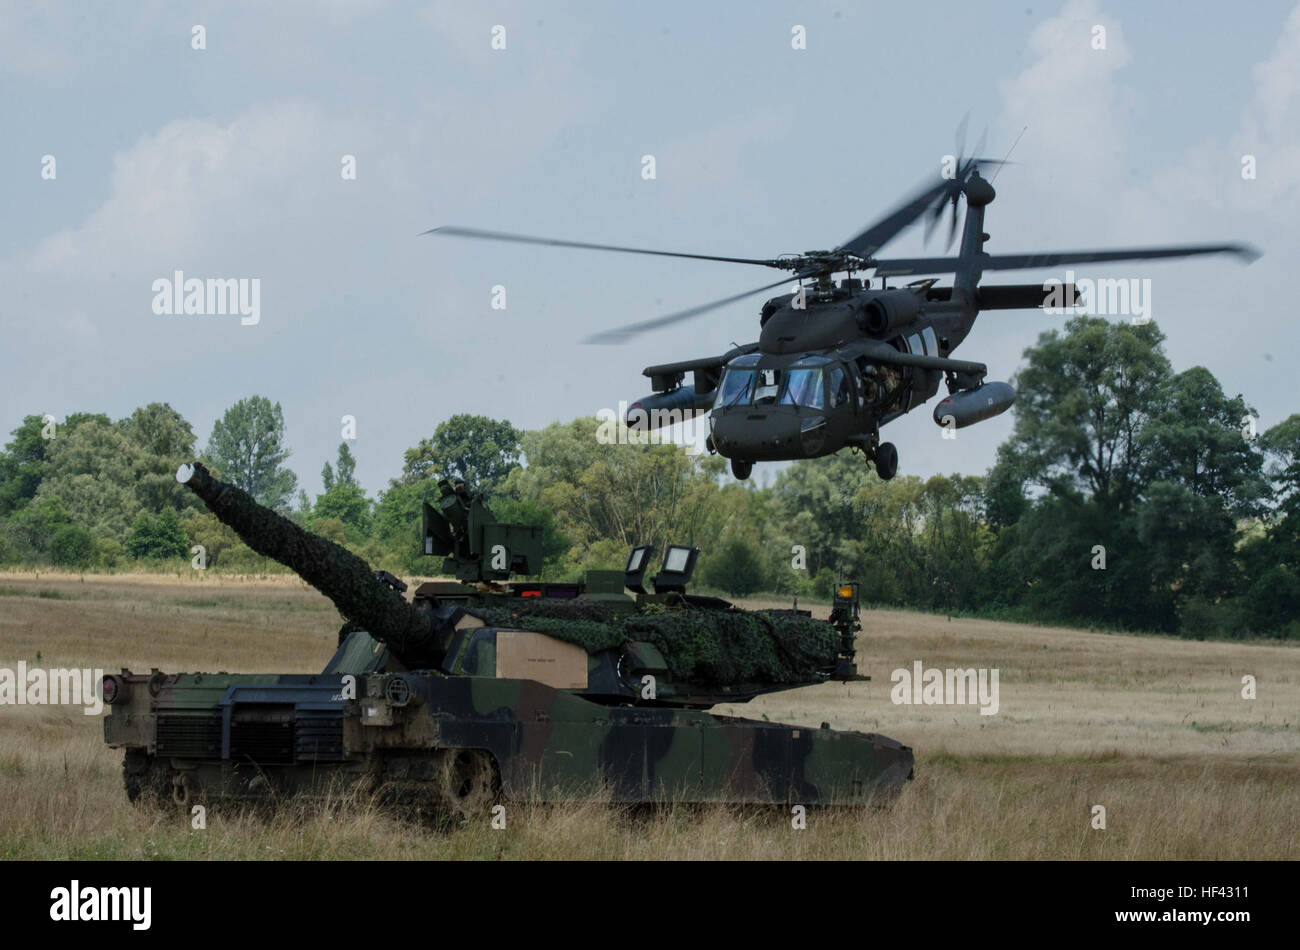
x=488 y=687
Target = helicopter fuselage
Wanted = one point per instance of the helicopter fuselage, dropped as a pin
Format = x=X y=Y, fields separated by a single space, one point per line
x=831 y=366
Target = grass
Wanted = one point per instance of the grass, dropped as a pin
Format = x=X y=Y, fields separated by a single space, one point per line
x=1153 y=729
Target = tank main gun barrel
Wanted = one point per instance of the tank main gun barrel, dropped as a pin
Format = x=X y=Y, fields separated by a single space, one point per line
x=414 y=635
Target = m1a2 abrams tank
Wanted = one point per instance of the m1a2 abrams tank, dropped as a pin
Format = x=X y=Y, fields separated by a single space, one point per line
x=487 y=688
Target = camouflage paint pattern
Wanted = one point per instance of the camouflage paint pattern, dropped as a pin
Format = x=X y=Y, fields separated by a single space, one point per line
x=228 y=736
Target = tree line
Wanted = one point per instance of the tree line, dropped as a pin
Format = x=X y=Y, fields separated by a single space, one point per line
x=1129 y=496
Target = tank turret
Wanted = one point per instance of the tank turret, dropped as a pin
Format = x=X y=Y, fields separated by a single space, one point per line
x=698 y=650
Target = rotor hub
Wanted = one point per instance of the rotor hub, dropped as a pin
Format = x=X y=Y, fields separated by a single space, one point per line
x=978 y=191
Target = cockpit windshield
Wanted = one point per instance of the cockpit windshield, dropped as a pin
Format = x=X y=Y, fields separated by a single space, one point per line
x=744 y=386
x=803 y=387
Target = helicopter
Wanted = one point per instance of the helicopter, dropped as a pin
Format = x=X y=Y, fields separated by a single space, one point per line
x=837 y=360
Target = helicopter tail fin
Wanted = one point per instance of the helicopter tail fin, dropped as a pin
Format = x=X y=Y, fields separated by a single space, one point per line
x=978 y=194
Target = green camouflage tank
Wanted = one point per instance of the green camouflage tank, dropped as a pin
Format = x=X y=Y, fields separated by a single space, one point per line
x=488 y=688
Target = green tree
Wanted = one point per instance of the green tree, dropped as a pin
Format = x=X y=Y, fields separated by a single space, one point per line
x=161 y=431
x=1270 y=561
x=22 y=464
x=344 y=498
x=166 y=440
x=1150 y=467
x=1281 y=445
x=607 y=498
x=1082 y=400
x=397 y=525
x=247 y=448
x=93 y=469
x=23 y=461
x=824 y=501
x=474 y=449
x=1194 y=438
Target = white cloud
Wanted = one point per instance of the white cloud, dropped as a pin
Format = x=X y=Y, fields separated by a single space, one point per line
x=193 y=185
x=1071 y=97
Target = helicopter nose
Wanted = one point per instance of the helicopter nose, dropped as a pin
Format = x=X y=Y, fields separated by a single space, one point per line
x=757 y=436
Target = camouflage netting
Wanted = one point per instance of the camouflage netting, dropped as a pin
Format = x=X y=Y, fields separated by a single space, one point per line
x=332 y=569
x=711 y=647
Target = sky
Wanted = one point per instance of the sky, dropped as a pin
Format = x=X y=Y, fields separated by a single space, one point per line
x=228 y=162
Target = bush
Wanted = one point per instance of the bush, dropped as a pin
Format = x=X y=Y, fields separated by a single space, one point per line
x=331 y=529
x=206 y=531
x=1227 y=619
x=9 y=553
x=158 y=537
x=73 y=546
x=735 y=568
x=110 y=552
x=239 y=558
x=31 y=528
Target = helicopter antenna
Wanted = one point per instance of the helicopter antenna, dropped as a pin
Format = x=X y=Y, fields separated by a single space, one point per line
x=1008 y=155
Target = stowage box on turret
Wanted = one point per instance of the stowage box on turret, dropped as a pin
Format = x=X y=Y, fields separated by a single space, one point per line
x=487 y=688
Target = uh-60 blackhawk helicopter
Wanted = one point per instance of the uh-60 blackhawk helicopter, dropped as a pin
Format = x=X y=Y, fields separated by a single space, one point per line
x=836 y=360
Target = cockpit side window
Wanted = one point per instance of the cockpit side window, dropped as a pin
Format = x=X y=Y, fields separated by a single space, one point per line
x=839 y=388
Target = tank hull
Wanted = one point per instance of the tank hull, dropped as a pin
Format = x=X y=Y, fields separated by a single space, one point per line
x=223 y=737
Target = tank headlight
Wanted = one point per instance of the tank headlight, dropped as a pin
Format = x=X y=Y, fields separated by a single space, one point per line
x=113 y=689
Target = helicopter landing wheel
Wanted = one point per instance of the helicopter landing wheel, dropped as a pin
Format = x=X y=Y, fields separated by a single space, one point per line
x=886 y=460
x=741 y=469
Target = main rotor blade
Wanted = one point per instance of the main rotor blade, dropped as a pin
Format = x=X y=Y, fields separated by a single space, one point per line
x=623 y=334
x=875 y=236
x=453 y=231
x=947 y=265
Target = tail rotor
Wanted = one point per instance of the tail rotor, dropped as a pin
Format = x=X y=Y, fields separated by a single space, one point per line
x=963 y=166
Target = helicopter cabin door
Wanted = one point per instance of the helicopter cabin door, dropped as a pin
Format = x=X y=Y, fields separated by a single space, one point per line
x=842 y=407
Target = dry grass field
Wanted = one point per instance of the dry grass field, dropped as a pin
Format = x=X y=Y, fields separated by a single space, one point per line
x=1152 y=728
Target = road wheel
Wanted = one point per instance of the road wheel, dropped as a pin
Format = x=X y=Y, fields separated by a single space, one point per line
x=467 y=783
x=148 y=782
